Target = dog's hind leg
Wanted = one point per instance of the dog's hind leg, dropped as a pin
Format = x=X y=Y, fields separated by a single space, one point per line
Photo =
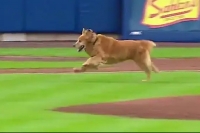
x=146 y=68
x=154 y=68
x=144 y=62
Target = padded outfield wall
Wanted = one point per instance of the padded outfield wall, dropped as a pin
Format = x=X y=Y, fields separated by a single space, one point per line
x=60 y=16
x=157 y=20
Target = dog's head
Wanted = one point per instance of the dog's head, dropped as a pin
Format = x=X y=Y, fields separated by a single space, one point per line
x=84 y=39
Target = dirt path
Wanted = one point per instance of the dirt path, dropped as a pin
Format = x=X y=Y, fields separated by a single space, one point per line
x=162 y=64
x=70 y=43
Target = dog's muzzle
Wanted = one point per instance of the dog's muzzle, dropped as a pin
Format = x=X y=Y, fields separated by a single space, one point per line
x=81 y=48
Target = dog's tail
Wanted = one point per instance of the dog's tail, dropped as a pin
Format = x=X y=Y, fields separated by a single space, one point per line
x=148 y=45
x=152 y=43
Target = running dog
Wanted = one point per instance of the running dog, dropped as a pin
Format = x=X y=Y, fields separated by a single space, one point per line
x=107 y=50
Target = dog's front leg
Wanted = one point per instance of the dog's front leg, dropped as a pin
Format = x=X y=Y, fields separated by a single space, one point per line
x=103 y=55
x=91 y=63
x=79 y=70
x=84 y=68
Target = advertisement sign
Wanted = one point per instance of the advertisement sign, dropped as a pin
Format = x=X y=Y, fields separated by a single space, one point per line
x=161 y=13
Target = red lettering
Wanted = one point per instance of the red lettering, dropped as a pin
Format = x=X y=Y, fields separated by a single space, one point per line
x=156 y=7
x=175 y=14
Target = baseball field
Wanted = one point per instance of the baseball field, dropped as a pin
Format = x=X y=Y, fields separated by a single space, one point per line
x=40 y=92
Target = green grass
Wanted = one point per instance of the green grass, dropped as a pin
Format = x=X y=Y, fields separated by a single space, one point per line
x=26 y=100
x=37 y=64
x=157 y=52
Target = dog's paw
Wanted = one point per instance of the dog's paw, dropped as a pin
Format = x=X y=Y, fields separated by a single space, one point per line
x=103 y=61
x=77 y=70
x=145 y=80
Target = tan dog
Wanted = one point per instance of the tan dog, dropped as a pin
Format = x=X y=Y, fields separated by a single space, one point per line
x=107 y=50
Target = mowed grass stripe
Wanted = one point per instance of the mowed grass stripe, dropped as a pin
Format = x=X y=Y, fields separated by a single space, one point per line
x=19 y=90
x=101 y=123
x=135 y=125
x=160 y=125
x=13 y=80
x=51 y=100
x=29 y=83
x=42 y=52
x=72 y=89
x=37 y=64
x=41 y=85
x=71 y=52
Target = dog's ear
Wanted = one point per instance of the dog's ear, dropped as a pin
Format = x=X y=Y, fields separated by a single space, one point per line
x=83 y=30
x=90 y=30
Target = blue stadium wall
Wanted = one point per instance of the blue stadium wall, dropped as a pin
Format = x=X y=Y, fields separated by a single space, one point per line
x=105 y=16
x=68 y=16
x=133 y=14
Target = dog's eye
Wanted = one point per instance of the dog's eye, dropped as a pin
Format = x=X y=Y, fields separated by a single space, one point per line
x=79 y=40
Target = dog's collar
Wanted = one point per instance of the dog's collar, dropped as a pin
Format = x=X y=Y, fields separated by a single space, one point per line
x=95 y=41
